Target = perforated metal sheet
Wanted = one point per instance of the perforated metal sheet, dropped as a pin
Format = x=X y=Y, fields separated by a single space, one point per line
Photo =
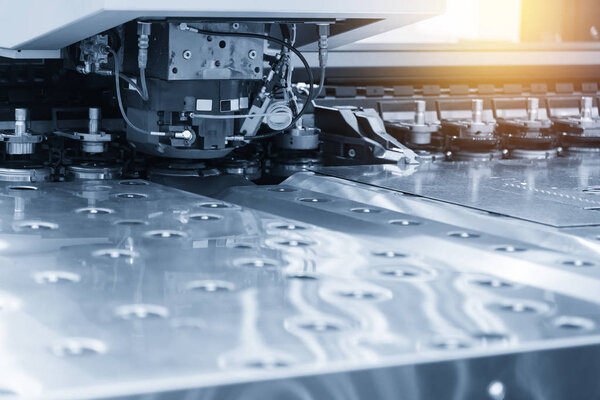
x=562 y=192
x=125 y=288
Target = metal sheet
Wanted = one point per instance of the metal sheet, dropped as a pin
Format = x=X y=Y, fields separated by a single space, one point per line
x=113 y=289
x=561 y=192
x=582 y=241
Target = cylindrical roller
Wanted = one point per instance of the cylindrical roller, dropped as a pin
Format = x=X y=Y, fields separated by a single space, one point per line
x=420 y=106
x=477 y=109
x=533 y=105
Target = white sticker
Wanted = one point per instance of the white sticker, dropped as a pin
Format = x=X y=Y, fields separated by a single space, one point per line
x=203 y=105
x=235 y=105
x=243 y=102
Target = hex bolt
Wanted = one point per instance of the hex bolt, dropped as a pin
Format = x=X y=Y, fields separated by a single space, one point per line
x=187 y=54
x=420 y=106
x=533 y=105
x=252 y=54
x=477 y=109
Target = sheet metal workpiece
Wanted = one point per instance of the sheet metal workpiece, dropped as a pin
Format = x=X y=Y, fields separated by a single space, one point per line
x=119 y=289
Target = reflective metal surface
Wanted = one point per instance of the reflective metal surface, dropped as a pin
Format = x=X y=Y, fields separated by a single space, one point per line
x=127 y=288
x=582 y=241
x=558 y=192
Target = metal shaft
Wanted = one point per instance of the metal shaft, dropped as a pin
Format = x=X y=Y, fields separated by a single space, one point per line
x=420 y=106
x=533 y=105
x=586 y=108
x=95 y=117
x=477 y=109
x=21 y=118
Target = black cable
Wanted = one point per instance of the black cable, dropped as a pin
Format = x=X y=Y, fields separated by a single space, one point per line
x=283 y=44
x=321 y=83
x=119 y=100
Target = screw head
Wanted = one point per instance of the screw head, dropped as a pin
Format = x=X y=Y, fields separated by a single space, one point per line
x=187 y=54
x=252 y=54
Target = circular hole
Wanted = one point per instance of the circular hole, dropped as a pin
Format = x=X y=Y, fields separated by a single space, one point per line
x=131 y=196
x=204 y=217
x=303 y=276
x=257 y=263
x=464 y=235
x=293 y=243
x=573 y=323
x=510 y=249
x=404 y=272
x=389 y=254
x=313 y=200
x=131 y=222
x=115 y=253
x=491 y=282
x=290 y=227
x=521 y=307
x=451 y=344
x=360 y=294
x=490 y=337
x=577 y=263
x=35 y=225
x=45 y=277
x=133 y=183
x=281 y=190
x=222 y=44
x=256 y=69
x=214 y=205
x=141 y=311
x=77 y=347
x=174 y=70
x=242 y=246
x=165 y=234
x=266 y=363
x=364 y=210
x=320 y=326
x=210 y=286
x=94 y=211
x=23 y=187
x=404 y=222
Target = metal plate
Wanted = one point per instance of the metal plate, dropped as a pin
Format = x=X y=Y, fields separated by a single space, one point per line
x=113 y=289
x=582 y=241
x=562 y=192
